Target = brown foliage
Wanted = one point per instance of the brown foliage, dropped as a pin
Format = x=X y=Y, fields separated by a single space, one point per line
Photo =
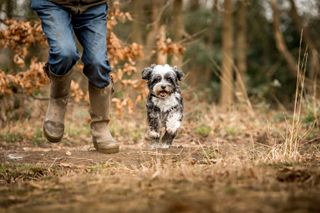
x=29 y=80
x=169 y=47
x=19 y=36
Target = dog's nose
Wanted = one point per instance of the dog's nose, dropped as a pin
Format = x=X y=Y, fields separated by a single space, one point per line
x=163 y=86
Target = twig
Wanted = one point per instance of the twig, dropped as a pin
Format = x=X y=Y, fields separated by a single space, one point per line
x=39 y=98
x=193 y=36
x=3 y=22
x=55 y=159
x=312 y=140
x=157 y=153
x=86 y=159
x=157 y=20
x=205 y=153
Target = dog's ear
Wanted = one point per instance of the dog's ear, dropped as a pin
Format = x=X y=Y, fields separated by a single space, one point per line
x=146 y=72
x=178 y=72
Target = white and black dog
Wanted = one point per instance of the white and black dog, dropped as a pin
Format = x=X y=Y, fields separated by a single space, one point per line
x=164 y=103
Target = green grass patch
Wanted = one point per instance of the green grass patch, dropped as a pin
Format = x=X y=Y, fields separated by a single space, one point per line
x=203 y=130
x=229 y=190
x=24 y=171
x=11 y=137
x=231 y=131
x=37 y=137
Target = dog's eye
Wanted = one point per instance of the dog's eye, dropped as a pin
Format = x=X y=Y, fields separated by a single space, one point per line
x=169 y=79
x=156 y=79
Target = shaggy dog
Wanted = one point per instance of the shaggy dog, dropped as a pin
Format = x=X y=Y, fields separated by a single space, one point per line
x=164 y=103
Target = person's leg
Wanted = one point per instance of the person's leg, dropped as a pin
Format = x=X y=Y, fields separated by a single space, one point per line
x=90 y=29
x=56 y=24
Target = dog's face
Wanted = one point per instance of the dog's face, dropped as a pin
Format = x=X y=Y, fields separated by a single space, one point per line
x=162 y=79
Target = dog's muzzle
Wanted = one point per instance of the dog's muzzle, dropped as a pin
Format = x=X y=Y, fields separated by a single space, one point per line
x=163 y=91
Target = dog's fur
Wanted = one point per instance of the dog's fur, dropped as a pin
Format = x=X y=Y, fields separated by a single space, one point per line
x=164 y=103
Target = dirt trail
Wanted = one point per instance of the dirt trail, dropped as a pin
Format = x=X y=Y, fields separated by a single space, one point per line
x=180 y=179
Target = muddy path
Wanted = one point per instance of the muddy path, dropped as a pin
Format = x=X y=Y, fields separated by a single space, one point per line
x=180 y=179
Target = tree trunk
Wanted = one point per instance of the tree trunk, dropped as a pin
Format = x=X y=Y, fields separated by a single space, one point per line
x=9 y=8
x=315 y=71
x=307 y=38
x=151 y=37
x=10 y=5
x=194 y=4
x=207 y=73
x=241 y=59
x=161 y=54
x=226 y=98
x=214 y=10
x=281 y=45
x=178 y=28
x=138 y=18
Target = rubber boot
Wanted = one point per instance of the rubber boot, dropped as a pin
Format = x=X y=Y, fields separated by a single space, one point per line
x=100 y=101
x=53 y=126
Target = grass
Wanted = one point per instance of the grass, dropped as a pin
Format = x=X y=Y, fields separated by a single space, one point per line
x=75 y=130
x=23 y=171
x=11 y=137
x=222 y=162
x=37 y=138
x=203 y=130
x=231 y=131
x=175 y=180
x=295 y=133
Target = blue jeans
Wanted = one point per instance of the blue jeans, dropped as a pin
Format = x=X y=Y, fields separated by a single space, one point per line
x=61 y=27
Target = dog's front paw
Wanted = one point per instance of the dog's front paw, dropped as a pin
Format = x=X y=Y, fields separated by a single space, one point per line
x=153 y=134
x=155 y=145
x=159 y=146
x=154 y=138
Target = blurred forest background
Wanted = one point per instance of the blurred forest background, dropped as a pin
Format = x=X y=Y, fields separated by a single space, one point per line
x=232 y=51
x=259 y=59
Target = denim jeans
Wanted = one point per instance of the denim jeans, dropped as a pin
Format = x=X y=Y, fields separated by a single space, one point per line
x=62 y=27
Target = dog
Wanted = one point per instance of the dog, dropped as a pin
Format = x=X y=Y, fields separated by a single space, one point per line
x=164 y=103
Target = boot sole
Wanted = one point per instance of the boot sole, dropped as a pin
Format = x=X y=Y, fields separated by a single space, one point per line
x=109 y=151
x=50 y=138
